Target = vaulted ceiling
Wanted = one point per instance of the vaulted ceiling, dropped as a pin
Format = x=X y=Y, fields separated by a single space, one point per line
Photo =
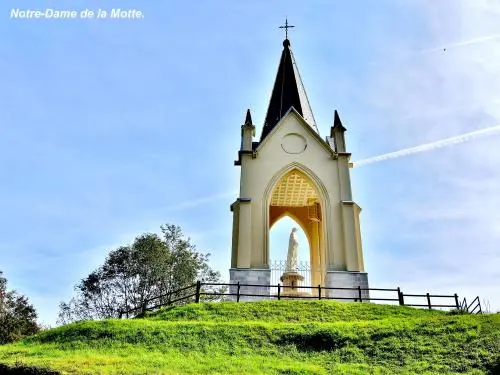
x=294 y=189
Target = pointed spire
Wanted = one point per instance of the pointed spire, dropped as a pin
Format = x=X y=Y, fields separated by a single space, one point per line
x=288 y=92
x=248 y=119
x=337 y=124
x=337 y=134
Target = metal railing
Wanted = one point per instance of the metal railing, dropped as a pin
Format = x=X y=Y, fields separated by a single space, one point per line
x=307 y=270
x=195 y=293
x=473 y=308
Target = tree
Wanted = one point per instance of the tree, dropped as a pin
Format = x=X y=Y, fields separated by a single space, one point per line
x=17 y=316
x=153 y=267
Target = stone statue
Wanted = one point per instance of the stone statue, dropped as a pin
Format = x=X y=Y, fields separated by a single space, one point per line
x=293 y=244
x=291 y=278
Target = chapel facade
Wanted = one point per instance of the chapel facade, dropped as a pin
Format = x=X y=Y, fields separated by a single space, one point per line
x=290 y=170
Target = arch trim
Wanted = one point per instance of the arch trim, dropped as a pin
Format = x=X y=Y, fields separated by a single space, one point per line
x=324 y=202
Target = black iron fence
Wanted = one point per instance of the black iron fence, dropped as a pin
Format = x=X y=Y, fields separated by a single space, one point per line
x=473 y=308
x=197 y=293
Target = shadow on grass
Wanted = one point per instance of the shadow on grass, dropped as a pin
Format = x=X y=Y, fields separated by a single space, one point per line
x=314 y=341
x=495 y=368
x=24 y=370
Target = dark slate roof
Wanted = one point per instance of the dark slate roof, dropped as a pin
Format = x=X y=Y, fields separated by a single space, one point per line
x=288 y=92
x=248 y=118
x=337 y=124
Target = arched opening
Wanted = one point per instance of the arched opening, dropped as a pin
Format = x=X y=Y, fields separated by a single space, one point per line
x=279 y=235
x=296 y=196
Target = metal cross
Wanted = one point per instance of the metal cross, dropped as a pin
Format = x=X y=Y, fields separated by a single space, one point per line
x=286 y=27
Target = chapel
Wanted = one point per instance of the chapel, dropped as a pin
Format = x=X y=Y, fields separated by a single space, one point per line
x=289 y=169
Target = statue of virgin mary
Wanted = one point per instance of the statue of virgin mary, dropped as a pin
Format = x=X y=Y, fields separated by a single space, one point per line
x=293 y=244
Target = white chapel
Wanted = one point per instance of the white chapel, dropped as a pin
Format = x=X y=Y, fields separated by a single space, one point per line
x=291 y=170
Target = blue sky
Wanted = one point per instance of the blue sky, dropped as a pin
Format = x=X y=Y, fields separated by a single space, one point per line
x=110 y=128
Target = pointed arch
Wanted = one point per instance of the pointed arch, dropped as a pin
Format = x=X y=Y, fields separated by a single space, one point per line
x=297 y=220
x=324 y=202
x=301 y=168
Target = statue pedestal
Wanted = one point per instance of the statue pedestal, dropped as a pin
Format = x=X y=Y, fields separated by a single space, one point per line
x=290 y=280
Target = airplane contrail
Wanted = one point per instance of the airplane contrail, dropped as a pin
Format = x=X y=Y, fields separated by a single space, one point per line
x=430 y=146
x=463 y=43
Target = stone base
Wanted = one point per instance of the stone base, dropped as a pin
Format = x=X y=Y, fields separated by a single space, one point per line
x=253 y=276
x=291 y=294
x=291 y=281
x=346 y=279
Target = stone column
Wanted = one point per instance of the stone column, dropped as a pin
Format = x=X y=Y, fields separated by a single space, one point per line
x=315 y=255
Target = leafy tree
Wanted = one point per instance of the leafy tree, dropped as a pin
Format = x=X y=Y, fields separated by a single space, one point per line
x=153 y=267
x=17 y=316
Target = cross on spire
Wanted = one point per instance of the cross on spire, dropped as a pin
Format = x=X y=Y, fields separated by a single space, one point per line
x=286 y=27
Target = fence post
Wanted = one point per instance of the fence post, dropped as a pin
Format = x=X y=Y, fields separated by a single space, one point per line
x=319 y=291
x=456 y=301
x=198 y=288
x=429 y=301
x=359 y=293
x=401 y=297
x=238 y=292
x=279 y=291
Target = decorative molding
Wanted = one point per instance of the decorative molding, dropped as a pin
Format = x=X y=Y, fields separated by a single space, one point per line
x=324 y=199
x=293 y=143
x=344 y=154
x=243 y=152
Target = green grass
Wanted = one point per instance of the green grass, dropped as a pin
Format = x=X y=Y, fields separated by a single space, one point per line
x=272 y=337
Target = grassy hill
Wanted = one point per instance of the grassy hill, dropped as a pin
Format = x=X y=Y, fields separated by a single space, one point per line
x=269 y=337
